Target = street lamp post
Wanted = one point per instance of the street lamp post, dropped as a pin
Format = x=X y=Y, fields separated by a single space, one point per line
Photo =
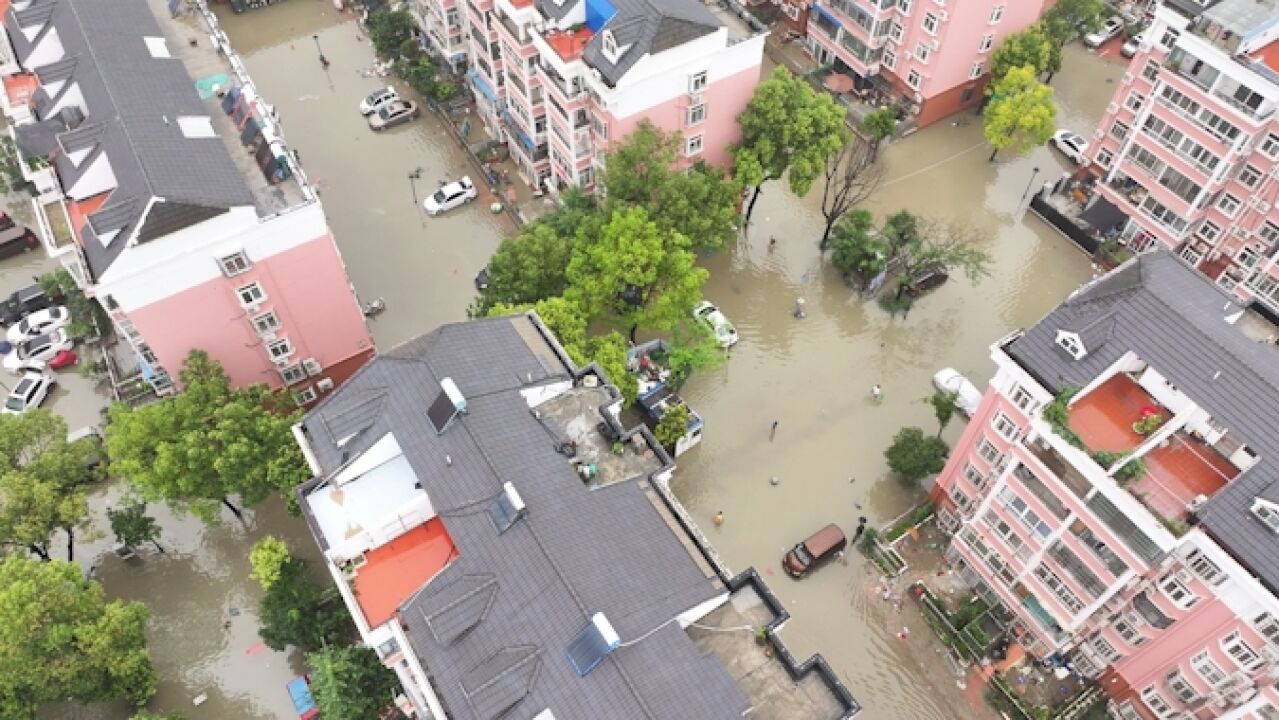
x=323 y=60
x=1033 y=174
x=414 y=175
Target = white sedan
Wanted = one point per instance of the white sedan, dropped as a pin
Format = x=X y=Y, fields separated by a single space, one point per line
x=967 y=396
x=1071 y=145
x=450 y=195
x=377 y=99
x=1109 y=29
x=36 y=350
x=707 y=314
x=29 y=393
x=39 y=323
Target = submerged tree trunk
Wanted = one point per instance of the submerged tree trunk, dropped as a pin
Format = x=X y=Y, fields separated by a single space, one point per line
x=750 y=207
x=993 y=153
x=634 y=329
x=44 y=554
x=159 y=547
x=70 y=544
x=237 y=512
x=830 y=225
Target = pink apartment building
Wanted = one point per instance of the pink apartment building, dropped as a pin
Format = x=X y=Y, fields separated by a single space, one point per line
x=193 y=223
x=1189 y=147
x=933 y=52
x=559 y=80
x=1146 y=556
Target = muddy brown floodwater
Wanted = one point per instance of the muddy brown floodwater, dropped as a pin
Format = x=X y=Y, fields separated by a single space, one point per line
x=813 y=376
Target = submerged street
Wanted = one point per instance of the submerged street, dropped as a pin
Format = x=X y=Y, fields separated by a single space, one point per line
x=812 y=376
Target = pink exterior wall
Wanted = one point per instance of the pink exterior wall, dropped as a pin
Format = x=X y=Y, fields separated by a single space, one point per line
x=307 y=288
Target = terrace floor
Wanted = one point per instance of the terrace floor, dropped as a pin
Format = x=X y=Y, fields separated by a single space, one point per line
x=569 y=45
x=1179 y=471
x=20 y=88
x=1104 y=417
x=396 y=570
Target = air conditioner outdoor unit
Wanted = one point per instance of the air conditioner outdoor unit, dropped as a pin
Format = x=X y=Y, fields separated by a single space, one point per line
x=1197 y=503
x=324 y=385
x=312 y=366
x=694 y=98
x=268 y=336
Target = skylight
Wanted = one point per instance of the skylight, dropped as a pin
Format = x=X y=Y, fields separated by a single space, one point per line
x=1267 y=512
x=592 y=645
x=157 y=47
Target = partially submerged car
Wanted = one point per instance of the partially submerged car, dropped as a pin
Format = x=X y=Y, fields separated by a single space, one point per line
x=818 y=548
x=967 y=396
x=710 y=316
x=450 y=195
x=39 y=323
x=396 y=112
x=377 y=99
x=1112 y=26
x=40 y=349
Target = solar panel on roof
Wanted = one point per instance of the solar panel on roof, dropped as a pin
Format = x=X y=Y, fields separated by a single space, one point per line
x=592 y=645
x=506 y=508
x=446 y=406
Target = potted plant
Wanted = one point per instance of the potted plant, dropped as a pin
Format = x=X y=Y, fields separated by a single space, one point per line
x=1148 y=422
x=761 y=635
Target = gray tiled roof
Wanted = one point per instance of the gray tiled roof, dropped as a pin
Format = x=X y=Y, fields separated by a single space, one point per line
x=133 y=101
x=513 y=601
x=1174 y=318
x=648 y=27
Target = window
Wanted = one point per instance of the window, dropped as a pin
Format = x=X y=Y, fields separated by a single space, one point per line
x=930 y=23
x=1267 y=627
x=1180 y=687
x=987 y=41
x=1210 y=671
x=279 y=349
x=1024 y=401
x=791 y=11
x=1071 y=343
x=266 y=323
x=975 y=71
x=609 y=44
x=1269 y=232
x=1104 y=157
x=697 y=82
x=989 y=452
x=1228 y=204
x=961 y=500
x=1270 y=146
x=921 y=51
x=1063 y=593
x=1227 y=282
x=1207 y=570
x=1017 y=506
x=1006 y=428
x=913 y=79
x=904 y=5
x=1239 y=651
x=1134 y=101
x=1128 y=629
x=1119 y=130
x=1156 y=702
x=1170 y=37
x=292 y=374
x=693 y=145
x=234 y=264
x=600 y=128
x=974 y=475
x=1089 y=539
x=1104 y=649
x=586 y=177
x=1249 y=176
x=996 y=14
x=895 y=32
x=305 y=396
x=696 y=115
x=890 y=59
x=1151 y=71
x=1208 y=230
x=250 y=294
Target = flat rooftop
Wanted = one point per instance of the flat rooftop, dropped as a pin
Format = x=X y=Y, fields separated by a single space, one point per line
x=576 y=417
x=393 y=572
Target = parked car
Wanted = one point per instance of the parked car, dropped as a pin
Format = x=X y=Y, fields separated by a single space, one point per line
x=450 y=195
x=22 y=303
x=817 y=549
x=300 y=693
x=39 y=323
x=1131 y=46
x=925 y=279
x=1071 y=145
x=967 y=396
x=482 y=279
x=40 y=349
x=710 y=316
x=62 y=359
x=29 y=393
x=396 y=112
x=377 y=99
x=16 y=239
x=1109 y=29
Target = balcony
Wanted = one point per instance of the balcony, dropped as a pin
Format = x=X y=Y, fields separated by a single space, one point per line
x=1103 y=419
x=569 y=44
x=1193 y=69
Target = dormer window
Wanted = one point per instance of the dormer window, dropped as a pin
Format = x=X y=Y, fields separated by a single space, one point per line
x=610 y=46
x=1071 y=343
x=1267 y=512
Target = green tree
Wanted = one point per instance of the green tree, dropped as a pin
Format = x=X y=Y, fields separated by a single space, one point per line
x=561 y=316
x=609 y=352
x=638 y=169
x=133 y=527
x=350 y=683
x=788 y=128
x=389 y=31
x=208 y=443
x=857 y=251
x=268 y=557
x=148 y=715
x=914 y=455
x=635 y=273
x=672 y=426
x=918 y=244
x=87 y=316
x=43 y=482
x=692 y=347
x=298 y=611
x=1064 y=20
x=528 y=267
x=851 y=176
x=1021 y=112
x=61 y=640
x=944 y=405
x=1031 y=47
x=879 y=125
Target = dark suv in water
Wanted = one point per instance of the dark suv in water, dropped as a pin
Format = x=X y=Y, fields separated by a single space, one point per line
x=22 y=303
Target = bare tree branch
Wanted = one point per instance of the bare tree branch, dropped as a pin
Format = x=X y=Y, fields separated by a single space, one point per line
x=851 y=176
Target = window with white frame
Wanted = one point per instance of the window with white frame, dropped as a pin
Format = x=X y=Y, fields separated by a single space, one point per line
x=1270 y=146
x=1180 y=686
x=987 y=41
x=974 y=476
x=1006 y=428
x=975 y=71
x=1022 y=399
x=1017 y=506
x=895 y=32
x=1129 y=630
x=791 y=11
x=1071 y=343
x=305 y=396
x=1151 y=71
x=1191 y=255
x=1268 y=712
x=1227 y=282
x=585 y=177
x=1247 y=257
x=1267 y=627
x=693 y=145
x=904 y=5
x=1134 y=101
x=279 y=349
x=1128 y=712
x=697 y=82
x=250 y=294
x=234 y=264
x=1169 y=37
x=961 y=500
x=921 y=51
x=1063 y=593
x=1006 y=533
x=1268 y=232
x=1104 y=157
x=889 y=59
x=1228 y=204
x=1249 y=176
x=1104 y=650
x=1240 y=651
x=1206 y=569
x=1119 y=130
x=989 y=452
x=1177 y=592
x=930 y=23
x=695 y=115
x=996 y=14
x=1208 y=230
x=913 y=79
x=267 y=322
x=292 y=374
x=1208 y=669
x=1156 y=702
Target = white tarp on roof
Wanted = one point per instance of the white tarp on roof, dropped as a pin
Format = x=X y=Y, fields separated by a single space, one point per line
x=364 y=493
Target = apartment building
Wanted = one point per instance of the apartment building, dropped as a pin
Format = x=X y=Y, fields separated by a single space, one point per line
x=934 y=53
x=190 y=220
x=1188 y=147
x=443 y=23
x=506 y=561
x=560 y=80
x=1115 y=497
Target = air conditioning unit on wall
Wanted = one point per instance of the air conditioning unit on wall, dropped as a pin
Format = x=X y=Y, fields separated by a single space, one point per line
x=312 y=366
x=324 y=385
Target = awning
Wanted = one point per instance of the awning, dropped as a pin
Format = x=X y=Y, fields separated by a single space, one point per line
x=482 y=85
x=826 y=14
x=1103 y=215
x=517 y=132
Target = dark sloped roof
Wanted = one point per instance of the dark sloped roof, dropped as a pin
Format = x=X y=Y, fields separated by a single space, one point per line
x=513 y=601
x=647 y=27
x=1174 y=318
x=168 y=217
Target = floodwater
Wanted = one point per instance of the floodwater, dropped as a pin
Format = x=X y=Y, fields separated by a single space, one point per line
x=812 y=376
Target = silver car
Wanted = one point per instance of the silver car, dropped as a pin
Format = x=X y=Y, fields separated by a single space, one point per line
x=30 y=392
x=396 y=112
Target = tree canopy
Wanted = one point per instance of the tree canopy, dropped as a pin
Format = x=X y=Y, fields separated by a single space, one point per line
x=60 y=639
x=672 y=426
x=914 y=455
x=1021 y=113
x=133 y=527
x=298 y=611
x=856 y=249
x=207 y=444
x=944 y=405
x=1031 y=47
x=528 y=267
x=1065 y=18
x=350 y=683
x=268 y=557
x=879 y=125
x=850 y=177
x=788 y=128
x=389 y=31
x=43 y=482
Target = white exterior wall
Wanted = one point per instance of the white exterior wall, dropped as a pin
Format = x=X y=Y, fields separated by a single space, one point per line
x=99 y=178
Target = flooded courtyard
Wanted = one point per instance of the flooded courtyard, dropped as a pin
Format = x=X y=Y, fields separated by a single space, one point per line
x=812 y=376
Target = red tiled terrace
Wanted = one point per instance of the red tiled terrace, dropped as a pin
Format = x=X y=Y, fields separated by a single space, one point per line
x=20 y=87
x=396 y=570
x=569 y=45
x=521 y=3
x=1104 y=417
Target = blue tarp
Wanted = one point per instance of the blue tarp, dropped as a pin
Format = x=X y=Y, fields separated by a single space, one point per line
x=515 y=129
x=145 y=367
x=482 y=85
x=598 y=12
x=826 y=14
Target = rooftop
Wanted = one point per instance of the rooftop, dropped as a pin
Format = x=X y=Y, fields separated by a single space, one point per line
x=1178 y=321
x=569 y=44
x=494 y=625
x=391 y=573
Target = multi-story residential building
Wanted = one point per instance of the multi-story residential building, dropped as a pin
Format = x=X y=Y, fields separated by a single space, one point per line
x=1115 y=497
x=1188 y=146
x=443 y=23
x=932 y=52
x=560 y=80
x=507 y=560
x=193 y=224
